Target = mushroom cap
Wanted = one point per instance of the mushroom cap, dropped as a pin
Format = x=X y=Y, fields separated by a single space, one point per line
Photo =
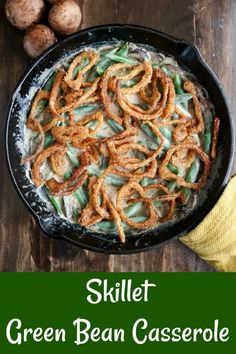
x=37 y=39
x=23 y=13
x=65 y=17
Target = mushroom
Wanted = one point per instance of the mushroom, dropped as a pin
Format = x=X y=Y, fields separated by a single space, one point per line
x=23 y=13
x=65 y=17
x=37 y=39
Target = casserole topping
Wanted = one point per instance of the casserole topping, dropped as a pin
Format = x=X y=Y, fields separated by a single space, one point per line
x=121 y=138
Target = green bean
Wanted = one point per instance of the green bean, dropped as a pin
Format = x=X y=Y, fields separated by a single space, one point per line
x=140 y=155
x=175 y=116
x=92 y=75
x=92 y=124
x=41 y=105
x=84 y=188
x=173 y=168
x=183 y=98
x=129 y=211
x=123 y=50
x=147 y=144
x=133 y=209
x=193 y=171
x=48 y=175
x=191 y=176
x=114 y=181
x=101 y=136
x=166 y=71
x=139 y=218
x=129 y=83
x=104 y=63
x=111 y=225
x=155 y=138
x=61 y=124
x=75 y=213
x=148 y=181
x=104 y=162
x=71 y=148
x=67 y=175
x=48 y=140
x=144 y=182
x=147 y=130
x=155 y=66
x=49 y=83
x=166 y=132
x=172 y=185
x=54 y=201
x=157 y=203
x=108 y=225
x=120 y=59
x=73 y=158
x=207 y=140
x=167 y=144
x=178 y=84
x=93 y=171
x=86 y=109
x=79 y=67
x=115 y=126
x=81 y=197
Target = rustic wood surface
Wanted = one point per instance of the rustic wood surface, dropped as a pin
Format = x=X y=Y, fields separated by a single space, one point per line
x=208 y=23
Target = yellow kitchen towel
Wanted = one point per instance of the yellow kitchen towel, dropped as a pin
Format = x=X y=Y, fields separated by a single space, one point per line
x=214 y=239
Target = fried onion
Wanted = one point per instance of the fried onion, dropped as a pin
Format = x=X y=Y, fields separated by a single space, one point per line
x=165 y=173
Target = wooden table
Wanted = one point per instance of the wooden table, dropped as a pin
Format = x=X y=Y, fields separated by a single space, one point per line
x=208 y=23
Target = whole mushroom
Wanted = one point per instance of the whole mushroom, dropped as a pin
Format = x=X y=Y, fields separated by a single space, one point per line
x=23 y=13
x=65 y=17
x=37 y=39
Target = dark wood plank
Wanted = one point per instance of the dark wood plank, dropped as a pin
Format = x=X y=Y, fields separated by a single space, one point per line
x=210 y=24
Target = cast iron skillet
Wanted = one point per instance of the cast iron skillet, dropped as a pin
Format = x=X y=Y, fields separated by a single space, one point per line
x=186 y=54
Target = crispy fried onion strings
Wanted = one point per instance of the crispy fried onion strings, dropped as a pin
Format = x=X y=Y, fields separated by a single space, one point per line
x=32 y=117
x=76 y=83
x=199 y=126
x=163 y=108
x=166 y=197
x=66 y=134
x=124 y=192
x=86 y=97
x=78 y=177
x=80 y=116
x=216 y=126
x=41 y=158
x=59 y=163
x=165 y=173
x=129 y=162
x=89 y=215
x=55 y=95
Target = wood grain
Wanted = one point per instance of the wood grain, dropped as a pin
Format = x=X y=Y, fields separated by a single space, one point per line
x=210 y=24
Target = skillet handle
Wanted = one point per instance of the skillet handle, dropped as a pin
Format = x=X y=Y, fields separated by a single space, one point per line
x=189 y=52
